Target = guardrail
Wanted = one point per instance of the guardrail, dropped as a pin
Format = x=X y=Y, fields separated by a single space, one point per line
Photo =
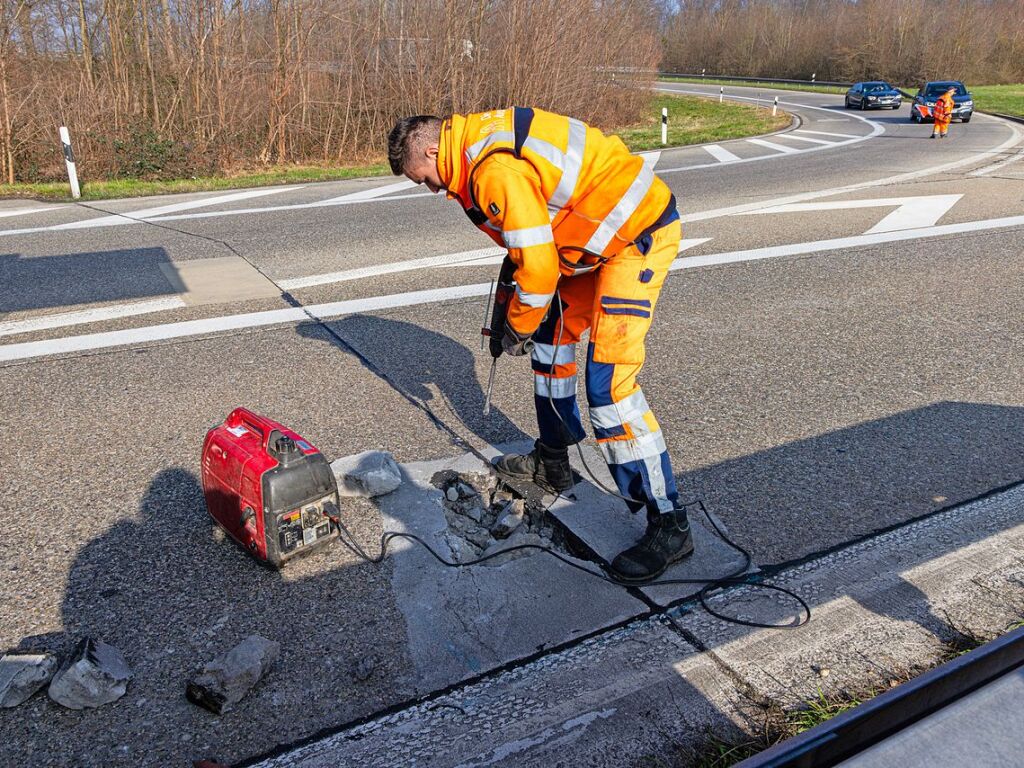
x=755 y=79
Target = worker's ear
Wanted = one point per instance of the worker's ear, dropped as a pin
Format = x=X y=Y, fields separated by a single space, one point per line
x=431 y=152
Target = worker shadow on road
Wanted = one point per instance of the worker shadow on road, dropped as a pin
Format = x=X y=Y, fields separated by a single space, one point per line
x=432 y=369
x=169 y=590
x=824 y=493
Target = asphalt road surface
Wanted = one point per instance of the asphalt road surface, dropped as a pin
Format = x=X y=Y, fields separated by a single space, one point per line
x=838 y=352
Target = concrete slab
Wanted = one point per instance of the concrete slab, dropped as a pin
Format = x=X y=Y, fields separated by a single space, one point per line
x=640 y=693
x=461 y=622
x=604 y=523
x=218 y=280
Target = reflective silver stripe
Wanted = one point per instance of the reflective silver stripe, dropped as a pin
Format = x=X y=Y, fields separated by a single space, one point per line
x=656 y=476
x=547 y=386
x=475 y=150
x=625 y=411
x=524 y=238
x=625 y=208
x=640 y=448
x=534 y=299
x=491 y=225
x=545 y=149
x=552 y=354
x=571 y=168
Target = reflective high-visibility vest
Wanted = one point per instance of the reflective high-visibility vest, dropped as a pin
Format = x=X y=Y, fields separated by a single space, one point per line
x=943 y=108
x=558 y=194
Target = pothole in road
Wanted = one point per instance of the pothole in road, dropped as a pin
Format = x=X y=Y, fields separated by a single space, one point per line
x=485 y=517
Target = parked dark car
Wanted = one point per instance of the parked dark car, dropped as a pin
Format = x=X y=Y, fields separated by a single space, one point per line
x=876 y=94
x=963 y=102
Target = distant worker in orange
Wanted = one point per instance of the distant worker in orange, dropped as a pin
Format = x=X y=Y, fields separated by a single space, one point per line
x=591 y=233
x=942 y=113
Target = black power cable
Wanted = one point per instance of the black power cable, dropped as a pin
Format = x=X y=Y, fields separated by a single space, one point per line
x=738 y=577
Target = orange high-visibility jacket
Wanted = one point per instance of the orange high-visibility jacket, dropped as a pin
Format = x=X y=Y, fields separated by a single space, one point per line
x=943 y=110
x=558 y=194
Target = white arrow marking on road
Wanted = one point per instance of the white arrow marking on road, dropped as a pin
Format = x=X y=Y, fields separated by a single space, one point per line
x=910 y=213
x=191 y=328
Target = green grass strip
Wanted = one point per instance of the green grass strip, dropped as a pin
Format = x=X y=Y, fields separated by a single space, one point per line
x=691 y=120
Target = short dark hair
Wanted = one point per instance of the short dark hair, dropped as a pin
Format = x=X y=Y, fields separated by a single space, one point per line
x=408 y=133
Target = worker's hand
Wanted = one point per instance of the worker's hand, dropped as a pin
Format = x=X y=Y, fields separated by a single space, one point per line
x=514 y=344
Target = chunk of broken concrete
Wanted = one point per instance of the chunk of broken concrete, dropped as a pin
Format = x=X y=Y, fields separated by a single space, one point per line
x=227 y=679
x=22 y=674
x=452 y=494
x=371 y=473
x=94 y=675
x=510 y=518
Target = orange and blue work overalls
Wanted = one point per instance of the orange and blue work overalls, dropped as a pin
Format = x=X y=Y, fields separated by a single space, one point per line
x=588 y=223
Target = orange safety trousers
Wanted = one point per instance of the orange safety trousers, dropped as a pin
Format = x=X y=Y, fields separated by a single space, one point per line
x=616 y=303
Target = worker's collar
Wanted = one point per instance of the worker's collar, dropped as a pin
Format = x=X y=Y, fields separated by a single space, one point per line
x=451 y=159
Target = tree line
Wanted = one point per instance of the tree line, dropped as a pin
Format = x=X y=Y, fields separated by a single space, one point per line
x=903 y=41
x=171 y=88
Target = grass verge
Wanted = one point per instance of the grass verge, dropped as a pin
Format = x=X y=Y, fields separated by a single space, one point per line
x=784 y=724
x=1005 y=99
x=696 y=120
x=117 y=188
x=692 y=120
x=749 y=84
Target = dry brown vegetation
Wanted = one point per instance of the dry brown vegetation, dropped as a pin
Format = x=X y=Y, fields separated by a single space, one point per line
x=170 y=88
x=903 y=41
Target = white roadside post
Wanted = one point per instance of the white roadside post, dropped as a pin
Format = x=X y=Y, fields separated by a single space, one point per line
x=69 y=159
x=702 y=71
x=721 y=93
x=813 y=76
x=775 y=106
x=664 y=125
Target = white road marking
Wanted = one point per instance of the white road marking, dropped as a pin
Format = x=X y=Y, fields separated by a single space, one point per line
x=93 y=315
x=720 y=153
x=372 y=194
x=876 y=130
x=910 y=213
x=444 y=260
x=144 y=214
x=826 y=133
x=651 y=158
x=839 y=243
x=833 y=120
x=714 y=213
x=26 y=211
x=776 y=147
x=791 y=137
x=193 y=328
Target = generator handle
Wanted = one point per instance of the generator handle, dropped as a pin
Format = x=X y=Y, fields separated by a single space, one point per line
x=255 y=422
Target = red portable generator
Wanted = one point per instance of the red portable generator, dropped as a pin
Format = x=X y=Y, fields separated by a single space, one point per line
x=268 y=487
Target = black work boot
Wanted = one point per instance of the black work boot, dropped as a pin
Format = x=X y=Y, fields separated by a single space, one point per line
x=667 y=540
x=544 y=466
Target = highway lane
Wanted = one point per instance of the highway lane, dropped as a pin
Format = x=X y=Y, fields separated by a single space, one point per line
x=811 y=396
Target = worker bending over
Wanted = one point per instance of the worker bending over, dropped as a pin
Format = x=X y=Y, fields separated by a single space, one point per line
x=590 y=233
x=942 y=113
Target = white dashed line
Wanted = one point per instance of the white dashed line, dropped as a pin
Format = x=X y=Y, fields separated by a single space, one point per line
x=791 y=137
x=775 y=147
x=721 y=154
x=26 y=211
x=826 y=133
